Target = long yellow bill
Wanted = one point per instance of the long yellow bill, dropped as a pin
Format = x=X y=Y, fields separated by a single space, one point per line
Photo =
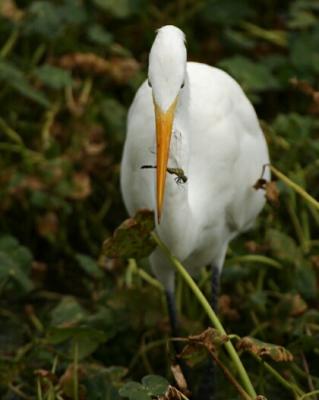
x=164 y=124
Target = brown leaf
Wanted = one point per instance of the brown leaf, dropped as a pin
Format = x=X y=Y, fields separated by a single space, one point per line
x=43 y=373
x=172 y=394
x=255 y=248
x=262 y=349
x=180 y=378
x=224 y=306
x=272 y=193
x=210 y=338
x=82 y=186
x=119 y=69
x=315 y=261
x=66 y=381
x=48 y=225
x=9 y=10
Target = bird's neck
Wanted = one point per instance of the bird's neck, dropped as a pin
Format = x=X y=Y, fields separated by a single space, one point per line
x=177 y=221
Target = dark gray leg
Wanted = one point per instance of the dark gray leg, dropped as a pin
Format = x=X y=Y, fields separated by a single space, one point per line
x=207 y=388
x=172 y=313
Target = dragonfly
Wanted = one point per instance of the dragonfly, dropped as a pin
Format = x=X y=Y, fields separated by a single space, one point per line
x=179 y=172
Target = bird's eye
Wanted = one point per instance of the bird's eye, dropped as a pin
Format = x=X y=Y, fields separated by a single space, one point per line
x=183 y=84
x=149 y=83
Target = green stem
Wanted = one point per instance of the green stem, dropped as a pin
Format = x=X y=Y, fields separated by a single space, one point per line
x=305 y=396
x=295 y=187
x=290 y=386
x=212 y=316
x=144 y=275
x=255 y=258
x=8 y=46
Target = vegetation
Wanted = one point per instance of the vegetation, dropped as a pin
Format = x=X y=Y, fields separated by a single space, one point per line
x=73 y=328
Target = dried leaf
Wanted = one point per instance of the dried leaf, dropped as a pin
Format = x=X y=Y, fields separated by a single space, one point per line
x=224 y=306
x=262 y=349
x=272 y=193
x=180 y=378
x=66 y=381
x=82 y=186
x=9 y=10
x=48 y=225
x=172 y=394
x=255 y=248
x=132 y=238
x=210 y=339
x=121 y=69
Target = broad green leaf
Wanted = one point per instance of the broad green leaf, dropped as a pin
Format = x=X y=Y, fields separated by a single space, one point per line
x=306 y=281
x=156 y=385
x=67 y=313
x=86 y=339
x=118 y=8
x=253 y=76
x=135 y=391
x=14 y=78
x=228 y=14
x=54 y=77
x=89 y=265
x=99 y=35
x=283 y=246
x=15 y=263
x=50 y=20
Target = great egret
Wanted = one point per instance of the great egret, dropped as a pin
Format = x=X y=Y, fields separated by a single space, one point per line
x=196 y=118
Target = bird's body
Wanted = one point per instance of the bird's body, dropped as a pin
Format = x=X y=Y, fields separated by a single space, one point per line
x=217 y=141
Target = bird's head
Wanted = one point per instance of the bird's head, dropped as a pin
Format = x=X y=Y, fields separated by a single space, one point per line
x=166 y=77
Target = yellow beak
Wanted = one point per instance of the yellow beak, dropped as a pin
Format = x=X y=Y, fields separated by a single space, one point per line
x=164 y=124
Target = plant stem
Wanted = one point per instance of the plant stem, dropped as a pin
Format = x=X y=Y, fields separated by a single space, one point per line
x=211 y=314
x=256 y=258
x=295 y=187
x=290 y=386
x=306 y=395
x=230 y=377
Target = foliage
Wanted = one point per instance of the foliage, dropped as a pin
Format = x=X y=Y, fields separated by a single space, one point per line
x=73 y=329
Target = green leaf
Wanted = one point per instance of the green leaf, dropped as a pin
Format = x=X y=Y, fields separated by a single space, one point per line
x=99 y=35
x=54 y=77
x=229 y=13
x=67 y=313
x=253 y=76
x=118 y=8
x=305 y=279
x=156 y=385
x=89 y=265
x=50 y=20
x=134 y=391
x=15 y=263
x=14 y=78
x=132 y=238
x=283 y=246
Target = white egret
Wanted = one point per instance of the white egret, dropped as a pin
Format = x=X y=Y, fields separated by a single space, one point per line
x=194 y=117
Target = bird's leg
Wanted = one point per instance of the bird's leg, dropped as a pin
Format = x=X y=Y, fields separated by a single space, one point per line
x=171 y=308
x=207 y=389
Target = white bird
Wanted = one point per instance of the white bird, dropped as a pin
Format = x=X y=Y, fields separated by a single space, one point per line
x=195 y=117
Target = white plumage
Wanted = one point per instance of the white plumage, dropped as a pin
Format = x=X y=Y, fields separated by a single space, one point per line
x=217 y=141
